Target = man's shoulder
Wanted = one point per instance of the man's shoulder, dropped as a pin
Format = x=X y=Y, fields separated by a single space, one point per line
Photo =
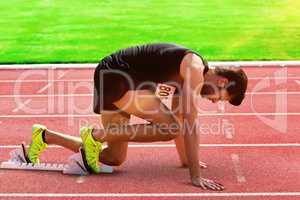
x=192 y=68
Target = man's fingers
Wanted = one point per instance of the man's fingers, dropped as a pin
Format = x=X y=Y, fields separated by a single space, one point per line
x=202 y=165
x=219 y=186
x=208 y=184
x=213 y=185
x=202 y=185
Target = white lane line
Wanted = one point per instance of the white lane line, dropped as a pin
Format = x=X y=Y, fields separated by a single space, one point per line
x=264 y=93
x=48 y=95
x=50 y=66
x=50 y=116
x=183 y=194
x=200 y=115
x=273 y=78
x=237 y=168
x=173 y=145
x=246 y=114
x=91 y=80
x=21 y=106
x=44 y=88
x=45 y=80
x=90 y=95
x=221 y=145
x=297 y=81
x=254 y=63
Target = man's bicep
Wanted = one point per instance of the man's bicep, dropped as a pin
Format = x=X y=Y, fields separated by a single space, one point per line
x=191 y=60
x=191 y=70
x=188 y=101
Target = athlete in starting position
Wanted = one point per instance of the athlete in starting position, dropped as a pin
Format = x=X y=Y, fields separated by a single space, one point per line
x=126 y=83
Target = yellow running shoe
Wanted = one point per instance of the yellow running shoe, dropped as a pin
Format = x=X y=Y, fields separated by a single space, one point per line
x=92 y=149
x=37 y=145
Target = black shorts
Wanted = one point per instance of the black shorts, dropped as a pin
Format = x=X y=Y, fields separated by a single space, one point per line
x=109 y=86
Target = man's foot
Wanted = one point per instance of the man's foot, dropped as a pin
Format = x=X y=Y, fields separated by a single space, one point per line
x=92 y=149
x=37 y=145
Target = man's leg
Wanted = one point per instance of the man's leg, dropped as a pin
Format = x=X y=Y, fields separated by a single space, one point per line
x=146 y=105
x=73 y=143
x=115 y=153
x=70 y=142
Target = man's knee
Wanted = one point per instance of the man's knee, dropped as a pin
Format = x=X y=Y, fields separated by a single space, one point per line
x=115 y=153
x=118 y=160
x=120 y=118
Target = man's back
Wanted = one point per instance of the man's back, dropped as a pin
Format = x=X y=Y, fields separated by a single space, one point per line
x=157 y=62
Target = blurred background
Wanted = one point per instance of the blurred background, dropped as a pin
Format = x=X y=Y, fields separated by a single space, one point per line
x=68 y=31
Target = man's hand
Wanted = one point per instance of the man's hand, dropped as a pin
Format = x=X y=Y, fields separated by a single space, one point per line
x=207 y=184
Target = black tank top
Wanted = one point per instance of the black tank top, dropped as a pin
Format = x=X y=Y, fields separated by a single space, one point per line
x=158 y=63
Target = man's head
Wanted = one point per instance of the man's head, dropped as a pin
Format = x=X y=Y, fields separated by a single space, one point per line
x=226 y=84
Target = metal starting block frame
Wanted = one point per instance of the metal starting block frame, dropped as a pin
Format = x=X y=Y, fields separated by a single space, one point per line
x=75 y=166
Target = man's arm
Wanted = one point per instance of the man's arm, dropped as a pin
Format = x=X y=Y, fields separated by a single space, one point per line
x=179 y=142
x=191 y=70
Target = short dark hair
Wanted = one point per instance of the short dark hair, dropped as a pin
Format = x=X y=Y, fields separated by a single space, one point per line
x=237 y=83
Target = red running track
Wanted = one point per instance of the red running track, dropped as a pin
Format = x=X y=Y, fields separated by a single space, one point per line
x=250 y=149
x=85 y=86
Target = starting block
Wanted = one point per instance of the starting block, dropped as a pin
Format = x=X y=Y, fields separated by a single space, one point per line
x=76 y=164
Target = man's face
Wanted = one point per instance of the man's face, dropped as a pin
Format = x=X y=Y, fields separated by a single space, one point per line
x=214 y=89
x=220 y=95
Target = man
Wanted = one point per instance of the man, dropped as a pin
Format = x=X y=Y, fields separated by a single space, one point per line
x=136 y=81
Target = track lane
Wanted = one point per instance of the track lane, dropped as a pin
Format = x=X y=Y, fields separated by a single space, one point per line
x=280 y=161
x=256 y=103
x=214 y=130
x=163 y=175
x=85 y=86
x=12 y=74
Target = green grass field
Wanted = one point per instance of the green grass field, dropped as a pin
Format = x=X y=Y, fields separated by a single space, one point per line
x=46 y=31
